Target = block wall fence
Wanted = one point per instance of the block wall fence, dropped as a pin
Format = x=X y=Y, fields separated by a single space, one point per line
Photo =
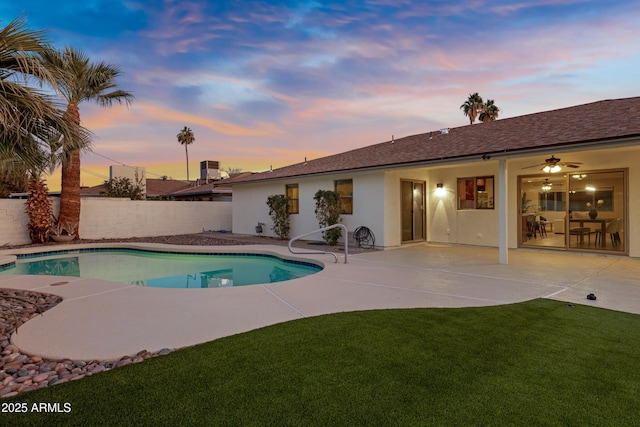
x=109 y=218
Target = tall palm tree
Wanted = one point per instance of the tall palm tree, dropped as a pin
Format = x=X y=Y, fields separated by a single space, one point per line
x=32 y=126
x=186 y=137
x=472 y=107
x=490 y=111
x=80 y=80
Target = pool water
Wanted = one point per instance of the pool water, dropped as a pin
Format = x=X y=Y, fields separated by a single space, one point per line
x=166 y=270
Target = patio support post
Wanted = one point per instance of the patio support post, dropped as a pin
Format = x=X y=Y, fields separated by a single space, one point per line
x=502 y=212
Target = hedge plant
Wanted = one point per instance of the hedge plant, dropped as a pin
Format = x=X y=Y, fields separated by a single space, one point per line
x=279 y=213
x=328 y=211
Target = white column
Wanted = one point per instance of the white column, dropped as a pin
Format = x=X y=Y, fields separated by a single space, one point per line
x=503 y=203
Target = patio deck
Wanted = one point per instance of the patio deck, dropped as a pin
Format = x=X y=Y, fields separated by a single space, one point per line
x=100 y=320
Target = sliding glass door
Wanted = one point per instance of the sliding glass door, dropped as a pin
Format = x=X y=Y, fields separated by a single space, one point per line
x=578 y=210
x=597 y=210
x=543 y=209
x=413 y=211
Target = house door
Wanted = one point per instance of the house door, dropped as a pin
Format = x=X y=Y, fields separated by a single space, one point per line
x=413 y=212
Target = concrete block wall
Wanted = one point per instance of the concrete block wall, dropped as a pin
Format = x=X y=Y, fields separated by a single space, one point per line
x=108 y=218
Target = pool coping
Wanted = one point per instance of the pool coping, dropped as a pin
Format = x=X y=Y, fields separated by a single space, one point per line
x=8 y=257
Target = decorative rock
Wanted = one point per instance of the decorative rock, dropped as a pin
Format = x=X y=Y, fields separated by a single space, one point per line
x=97 y=369
x=40 y=377
x=123 y=362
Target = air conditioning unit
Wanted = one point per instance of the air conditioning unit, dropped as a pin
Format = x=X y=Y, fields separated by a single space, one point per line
x=210 y=170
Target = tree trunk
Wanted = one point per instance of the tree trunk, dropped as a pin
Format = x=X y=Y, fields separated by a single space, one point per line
x=187 y=153
x=70 y=188
x=70 y=192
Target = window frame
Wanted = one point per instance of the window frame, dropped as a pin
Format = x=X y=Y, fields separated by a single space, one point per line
x=473 y=186
x=343 y=196
x=294 y=202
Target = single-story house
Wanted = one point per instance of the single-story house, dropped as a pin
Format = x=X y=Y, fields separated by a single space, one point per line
x=565 y=179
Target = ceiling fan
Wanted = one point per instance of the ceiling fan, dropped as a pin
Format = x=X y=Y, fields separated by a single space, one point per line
x=553 y=164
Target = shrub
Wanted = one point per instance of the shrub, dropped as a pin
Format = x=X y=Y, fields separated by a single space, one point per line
x=279 y=213
x=39 y=209
x=123 y=187
x=328 y=211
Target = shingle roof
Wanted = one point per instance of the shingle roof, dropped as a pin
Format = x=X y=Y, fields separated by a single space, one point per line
x=154 y=187
x=597 y=122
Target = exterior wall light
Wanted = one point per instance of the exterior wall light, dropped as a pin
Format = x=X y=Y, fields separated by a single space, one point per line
x=439 y=185
x=440 y=191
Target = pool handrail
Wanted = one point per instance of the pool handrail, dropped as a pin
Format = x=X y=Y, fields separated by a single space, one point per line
x=346 y=242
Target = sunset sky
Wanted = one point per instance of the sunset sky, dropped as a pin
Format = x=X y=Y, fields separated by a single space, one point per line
x=269 y=83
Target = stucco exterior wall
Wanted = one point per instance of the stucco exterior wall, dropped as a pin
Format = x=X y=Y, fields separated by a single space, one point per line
x=250 y=204
x=121 y=218
x=447 y=224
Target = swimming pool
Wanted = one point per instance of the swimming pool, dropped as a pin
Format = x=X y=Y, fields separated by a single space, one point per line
x=164 y=270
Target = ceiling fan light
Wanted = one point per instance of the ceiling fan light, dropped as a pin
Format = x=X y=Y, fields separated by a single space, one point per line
x=547 y=168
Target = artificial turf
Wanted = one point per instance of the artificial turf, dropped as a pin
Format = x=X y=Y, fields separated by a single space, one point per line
x=540 y=362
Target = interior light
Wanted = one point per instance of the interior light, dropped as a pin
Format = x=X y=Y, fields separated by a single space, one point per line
x=590 y=187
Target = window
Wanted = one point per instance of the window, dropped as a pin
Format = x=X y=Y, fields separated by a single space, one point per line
x=475 y=193
x=582 y=200
x=293 y=195
x=345 y=188
x=552 y=201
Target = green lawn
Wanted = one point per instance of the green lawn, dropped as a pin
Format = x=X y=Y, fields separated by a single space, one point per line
x=536 y=363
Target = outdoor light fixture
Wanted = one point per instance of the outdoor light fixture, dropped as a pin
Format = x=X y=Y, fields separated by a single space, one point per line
x=439 y=185
x=440 y=191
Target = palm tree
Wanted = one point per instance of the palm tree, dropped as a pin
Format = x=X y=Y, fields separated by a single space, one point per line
x=186 y=137
x=32 y=126
x=489 y=112
x=33 y=129
x=472 y=107
x=80 y=80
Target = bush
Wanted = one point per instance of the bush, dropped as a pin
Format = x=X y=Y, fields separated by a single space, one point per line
x=328 y=211
x=123 y=187
x=279 y=213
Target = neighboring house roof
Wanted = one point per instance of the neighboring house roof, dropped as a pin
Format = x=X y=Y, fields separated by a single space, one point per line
x=169 y=187
x=153 y=188
x=210 y=188
x=595 y=123
x=215 y=187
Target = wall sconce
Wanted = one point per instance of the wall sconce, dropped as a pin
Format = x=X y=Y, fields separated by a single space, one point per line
x=440 y=191
x=439 y=185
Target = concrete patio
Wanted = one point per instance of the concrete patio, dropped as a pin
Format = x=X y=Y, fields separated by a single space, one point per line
x=106 y=320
